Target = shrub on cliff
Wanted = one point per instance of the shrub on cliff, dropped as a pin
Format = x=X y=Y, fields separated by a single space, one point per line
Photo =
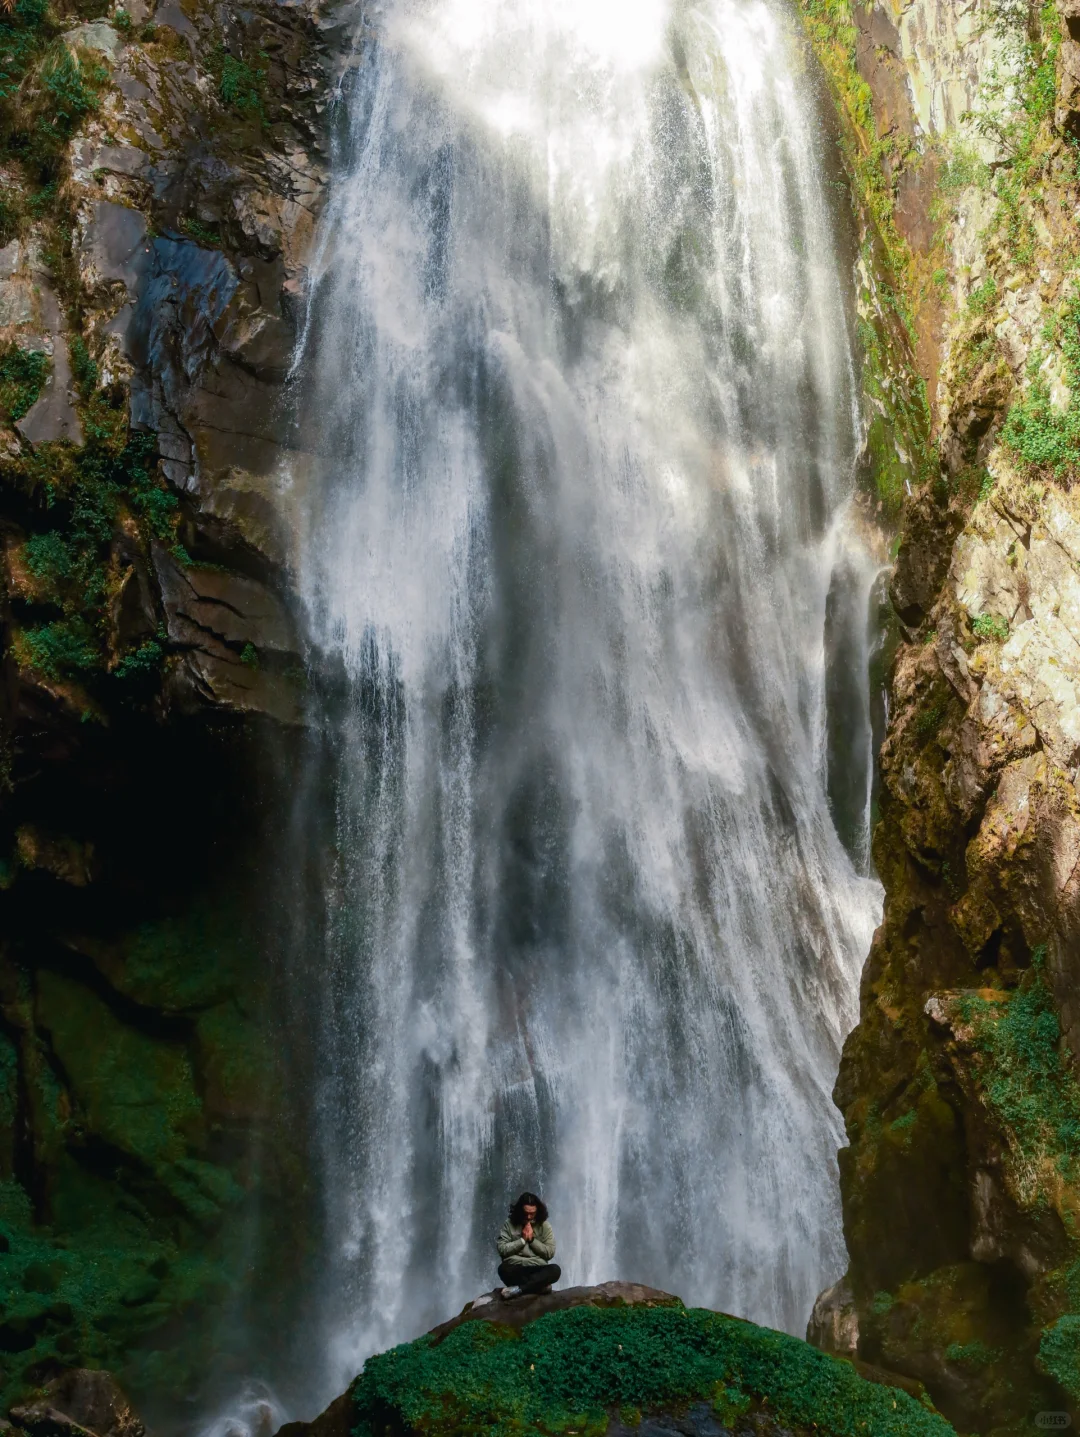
x=22 y=373
x=46 y=88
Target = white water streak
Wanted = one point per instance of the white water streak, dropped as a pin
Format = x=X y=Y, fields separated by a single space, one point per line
x=578 y=367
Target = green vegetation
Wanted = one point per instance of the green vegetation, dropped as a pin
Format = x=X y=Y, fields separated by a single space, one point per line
x=48 y=556
x=929 y=720
x=1026 y=1077
x=901 y=416
x=200 y=233
x=9 y=217
x=241 y=86
x=46 y=89
x=1016 y=111
x=119 y=1259
x=95 y=1292
x=144 y=660
x=982 y=296
x=85 y=493
x=1042 y=436
x=1059 y=1353
x=70 y=83
x=25 y=29
x=83 y=366
x=568 y=1370
x=22 y=373
x=991 y=626
x=1019 y=94
x=971 y=1354
x=59 y=647
x=961 y=169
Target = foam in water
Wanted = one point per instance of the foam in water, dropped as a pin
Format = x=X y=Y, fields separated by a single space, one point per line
x=577 y=368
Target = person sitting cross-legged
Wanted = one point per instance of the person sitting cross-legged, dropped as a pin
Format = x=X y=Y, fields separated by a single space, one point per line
x=526 y=1246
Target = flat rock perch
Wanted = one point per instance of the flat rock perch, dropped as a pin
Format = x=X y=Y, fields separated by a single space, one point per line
x=517 y=1312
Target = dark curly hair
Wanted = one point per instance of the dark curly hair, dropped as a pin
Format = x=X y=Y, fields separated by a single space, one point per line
x=517 y=1210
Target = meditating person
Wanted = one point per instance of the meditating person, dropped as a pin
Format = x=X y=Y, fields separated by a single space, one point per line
x=526 y=1246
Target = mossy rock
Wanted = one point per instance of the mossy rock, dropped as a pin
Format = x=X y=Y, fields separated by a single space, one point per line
x=137 y=1089
x=597 y=1369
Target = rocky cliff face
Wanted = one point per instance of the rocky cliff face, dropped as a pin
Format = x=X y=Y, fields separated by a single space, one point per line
x=959 y=1087
x=161 y=173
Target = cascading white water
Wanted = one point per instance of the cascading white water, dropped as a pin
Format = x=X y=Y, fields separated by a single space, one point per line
x=578 y=363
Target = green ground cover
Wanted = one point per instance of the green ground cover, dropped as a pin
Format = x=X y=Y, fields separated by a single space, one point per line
x=568 y=1371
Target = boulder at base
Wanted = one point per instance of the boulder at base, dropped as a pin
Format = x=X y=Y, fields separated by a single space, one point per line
x=80 y=1403
x=620 y=1360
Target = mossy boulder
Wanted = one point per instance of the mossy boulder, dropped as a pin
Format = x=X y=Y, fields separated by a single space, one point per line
x=604 y=1365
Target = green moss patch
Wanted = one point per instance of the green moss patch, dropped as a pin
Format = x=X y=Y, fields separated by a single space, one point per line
x=137 y=1090
x=898 y=436
x=1059 y=1354
x=181 y=963
x=569 y=1370
x=89 y=1296
x=1026 y=1078
x=991 y=626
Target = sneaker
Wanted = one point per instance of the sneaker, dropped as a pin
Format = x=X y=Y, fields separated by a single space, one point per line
x=509 y=1292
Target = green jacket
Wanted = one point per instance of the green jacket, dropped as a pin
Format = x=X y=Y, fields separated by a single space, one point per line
x=515 y=1250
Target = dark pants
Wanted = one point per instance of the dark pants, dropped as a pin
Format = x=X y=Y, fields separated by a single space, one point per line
x=527 y=1277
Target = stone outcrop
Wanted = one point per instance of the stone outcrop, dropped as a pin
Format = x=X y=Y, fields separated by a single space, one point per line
x=339 y=1418
x=80 y=1403
x=606 y=1354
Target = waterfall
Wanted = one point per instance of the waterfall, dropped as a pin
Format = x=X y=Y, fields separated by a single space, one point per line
x=578 y=372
